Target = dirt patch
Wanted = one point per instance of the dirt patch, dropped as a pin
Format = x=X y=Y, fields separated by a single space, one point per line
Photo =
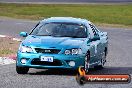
x=8 y=46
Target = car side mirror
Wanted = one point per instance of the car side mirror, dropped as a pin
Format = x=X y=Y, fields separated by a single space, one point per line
x=23 y=34
x=95 y=38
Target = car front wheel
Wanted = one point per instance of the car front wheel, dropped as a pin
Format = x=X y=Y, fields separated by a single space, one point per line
x=86 y=62
x=22 y=70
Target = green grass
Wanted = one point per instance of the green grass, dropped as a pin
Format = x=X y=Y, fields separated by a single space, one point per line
x=109 y=14
x=6 y=52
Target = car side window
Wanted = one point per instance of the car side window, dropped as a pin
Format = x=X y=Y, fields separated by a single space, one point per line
x=95 y=31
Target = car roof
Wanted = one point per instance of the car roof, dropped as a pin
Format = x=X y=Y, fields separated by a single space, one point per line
x=66 y=19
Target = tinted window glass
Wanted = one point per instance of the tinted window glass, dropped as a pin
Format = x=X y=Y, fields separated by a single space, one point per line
x=60 y=30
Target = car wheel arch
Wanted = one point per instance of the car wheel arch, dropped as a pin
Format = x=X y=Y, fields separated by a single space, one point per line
x=88 y=51
x=106 y=51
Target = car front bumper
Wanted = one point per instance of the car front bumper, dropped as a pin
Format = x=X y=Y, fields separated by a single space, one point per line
x=59 y=61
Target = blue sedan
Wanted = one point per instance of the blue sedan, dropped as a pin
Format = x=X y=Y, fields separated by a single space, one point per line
x=64 y=43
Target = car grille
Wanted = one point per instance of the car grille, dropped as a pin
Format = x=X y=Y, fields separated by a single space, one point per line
x=47 y=51
x=37 y=61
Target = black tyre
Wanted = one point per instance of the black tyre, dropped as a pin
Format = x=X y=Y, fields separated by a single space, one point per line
x=102 y=62
x=86 y=62
x=22 y=70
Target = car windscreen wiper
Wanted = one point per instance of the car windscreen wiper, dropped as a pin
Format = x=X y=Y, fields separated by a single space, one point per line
x=44 y=35
x=76 y=36
x=70 y=36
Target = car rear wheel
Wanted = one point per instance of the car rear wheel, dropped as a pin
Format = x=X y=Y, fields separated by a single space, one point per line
x=86 y=62
x=102 y=62
x=22 y=70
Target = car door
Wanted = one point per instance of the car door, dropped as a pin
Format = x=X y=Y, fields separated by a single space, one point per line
x=103 y=40
x=96 y=43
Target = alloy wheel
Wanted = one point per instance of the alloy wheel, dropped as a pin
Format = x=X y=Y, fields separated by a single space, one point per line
x=87 y=58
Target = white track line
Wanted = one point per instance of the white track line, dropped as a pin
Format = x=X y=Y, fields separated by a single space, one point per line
x=8 y=60
x=15 y=39
x=2 y=35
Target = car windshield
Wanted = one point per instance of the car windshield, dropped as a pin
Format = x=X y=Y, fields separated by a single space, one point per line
x=60 y=30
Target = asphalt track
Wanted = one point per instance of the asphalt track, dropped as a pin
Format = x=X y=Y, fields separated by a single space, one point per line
x=66 y=1
x=119 y=61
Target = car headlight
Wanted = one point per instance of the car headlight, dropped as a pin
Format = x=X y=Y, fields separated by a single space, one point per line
x=73 y=51
x=24 y=49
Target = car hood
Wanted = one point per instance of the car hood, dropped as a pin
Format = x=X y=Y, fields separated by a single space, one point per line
x=53 y=42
